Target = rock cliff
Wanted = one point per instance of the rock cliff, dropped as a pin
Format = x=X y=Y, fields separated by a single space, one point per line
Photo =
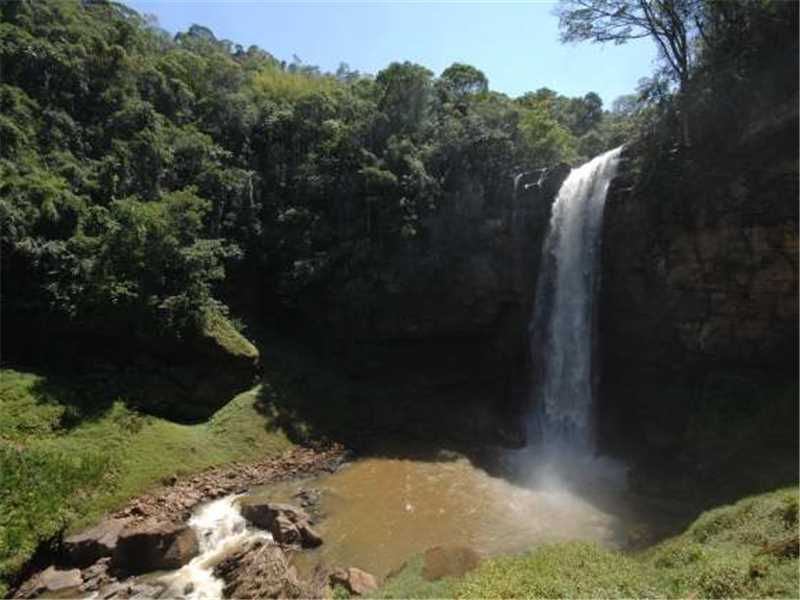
x=443 y=323
x=698 y=310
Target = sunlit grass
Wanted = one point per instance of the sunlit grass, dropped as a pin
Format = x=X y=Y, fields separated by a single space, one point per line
x=64 y=464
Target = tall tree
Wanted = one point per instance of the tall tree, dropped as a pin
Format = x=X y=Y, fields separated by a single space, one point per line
x=672 y=24
x=465 y=80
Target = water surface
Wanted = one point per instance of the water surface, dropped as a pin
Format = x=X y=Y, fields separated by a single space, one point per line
x=378 y=512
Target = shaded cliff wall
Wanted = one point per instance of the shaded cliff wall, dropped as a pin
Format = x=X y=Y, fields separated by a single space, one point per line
x=442 y=325
x=698 y=309
x=183 y=378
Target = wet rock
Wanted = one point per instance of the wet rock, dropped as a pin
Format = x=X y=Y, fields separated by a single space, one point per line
x=311 y=538
x=155 y=545
x=86 y=547
x=260 y=570
x=124 y=590
x=354 y=580
x=449 y=561
x=146 y=590
x=96 y=576
x=51 y=581
x=287 y=524
x=308 y=498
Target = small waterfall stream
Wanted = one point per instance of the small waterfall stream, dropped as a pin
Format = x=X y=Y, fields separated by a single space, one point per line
x=561 y=331
x=220 y=530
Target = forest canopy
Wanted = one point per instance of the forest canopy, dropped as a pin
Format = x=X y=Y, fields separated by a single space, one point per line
x=136 y=165
x=140 y=169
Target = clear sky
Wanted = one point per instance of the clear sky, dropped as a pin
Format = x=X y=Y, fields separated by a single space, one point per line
x=514 y=43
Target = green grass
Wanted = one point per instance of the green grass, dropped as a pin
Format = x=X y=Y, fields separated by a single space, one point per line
x=68 y=456
x=409 y=583
x=748 y=550
x=225 y=334
x=569 y=570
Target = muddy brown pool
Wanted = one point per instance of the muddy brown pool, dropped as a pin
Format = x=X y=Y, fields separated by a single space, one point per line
x=378 y=512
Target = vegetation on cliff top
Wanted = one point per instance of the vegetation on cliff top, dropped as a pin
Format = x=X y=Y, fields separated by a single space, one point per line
x=139 y=170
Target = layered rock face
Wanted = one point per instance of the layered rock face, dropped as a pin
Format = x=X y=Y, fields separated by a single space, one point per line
x=698 y=309
x=444 y=326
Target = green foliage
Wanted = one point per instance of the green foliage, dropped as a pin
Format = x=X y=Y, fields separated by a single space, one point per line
x=465 y=80
x=408 y=582
x=137 y=170
x=573 y=570
x=40 y=495
x=546 y=139
x=748 y=550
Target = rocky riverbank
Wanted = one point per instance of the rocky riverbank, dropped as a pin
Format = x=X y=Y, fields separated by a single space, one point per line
x=151 y=533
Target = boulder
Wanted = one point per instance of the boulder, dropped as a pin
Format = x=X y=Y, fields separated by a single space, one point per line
x=259 y=570
x=354 y=580
x=87 y=547
x=310 y=537
x=155 y=545
x=51 y=581
x=287 y=524
x=262 y=513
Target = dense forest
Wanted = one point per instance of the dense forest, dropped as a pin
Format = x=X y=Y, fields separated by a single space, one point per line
x=158 y=191
x=138 y=169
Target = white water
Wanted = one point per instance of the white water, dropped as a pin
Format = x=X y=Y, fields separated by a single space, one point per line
x=220 y=530
x=561 y=331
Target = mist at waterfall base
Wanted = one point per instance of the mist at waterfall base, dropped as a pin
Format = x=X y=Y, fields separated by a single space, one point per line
x=561 y=452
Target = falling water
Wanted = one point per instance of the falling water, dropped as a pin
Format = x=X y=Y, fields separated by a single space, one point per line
x=561 y=330
x=220 y=530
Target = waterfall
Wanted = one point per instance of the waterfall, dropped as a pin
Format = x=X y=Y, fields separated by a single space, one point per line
x=561 y=330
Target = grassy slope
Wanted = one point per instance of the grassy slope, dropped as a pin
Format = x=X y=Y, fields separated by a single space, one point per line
x=748 y=550
x=64 y=461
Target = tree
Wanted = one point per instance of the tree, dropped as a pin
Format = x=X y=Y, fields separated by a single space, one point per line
x=465 y=80
x=406 y=94
x=672 y=24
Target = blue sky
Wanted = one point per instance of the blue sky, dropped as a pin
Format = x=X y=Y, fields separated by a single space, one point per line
x=514 y=43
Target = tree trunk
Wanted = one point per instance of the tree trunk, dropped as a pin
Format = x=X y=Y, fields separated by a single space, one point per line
x=683 y=110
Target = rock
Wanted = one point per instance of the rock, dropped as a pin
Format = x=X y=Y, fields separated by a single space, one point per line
x=52 y=581
x=115 y=590
x=287 y=524
x=262 y=514
x=700 y=285
x=354 y=580
x=96 y=576
x=449 y=561
x=260 y=570
x=311 y=539
x=86 y=547
x=155 y=545
x=146 y=590
x=316 y=585
x=124 y=590
x=308 y=498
